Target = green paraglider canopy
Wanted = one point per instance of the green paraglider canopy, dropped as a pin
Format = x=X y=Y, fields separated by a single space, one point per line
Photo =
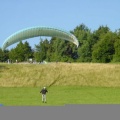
x=39 y=31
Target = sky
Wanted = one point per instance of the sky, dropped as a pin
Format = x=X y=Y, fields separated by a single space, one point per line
x=66 y=14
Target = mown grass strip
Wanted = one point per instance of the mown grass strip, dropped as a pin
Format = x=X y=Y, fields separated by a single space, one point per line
x=59 y=96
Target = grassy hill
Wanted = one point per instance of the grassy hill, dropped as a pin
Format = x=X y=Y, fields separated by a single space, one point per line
x=72 y=83
x=62 y=74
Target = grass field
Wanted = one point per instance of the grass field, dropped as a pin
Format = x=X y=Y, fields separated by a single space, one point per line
x=65 y=74
x=74 y=83
x=59 y=96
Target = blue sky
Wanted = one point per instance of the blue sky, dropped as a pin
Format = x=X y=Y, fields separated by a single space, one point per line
x=66 y=14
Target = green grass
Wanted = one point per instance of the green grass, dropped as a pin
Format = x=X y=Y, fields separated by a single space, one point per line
x=59 y=96
x=75 y=83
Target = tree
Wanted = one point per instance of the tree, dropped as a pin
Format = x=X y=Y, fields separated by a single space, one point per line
x=41 y=50
x=4 y=55
x=55 y=49
x=13 y=55
x=103 y=50
x=86 y=40
x=101 y=45
x=116 y=57
x=81 y=33
x=28 y=52
x=85 y=51
x=22 y=52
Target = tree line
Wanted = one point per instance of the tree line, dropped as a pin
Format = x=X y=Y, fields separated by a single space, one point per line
x=101 y=46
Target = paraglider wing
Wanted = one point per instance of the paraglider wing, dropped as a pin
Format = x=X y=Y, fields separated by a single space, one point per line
x=39 y=31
